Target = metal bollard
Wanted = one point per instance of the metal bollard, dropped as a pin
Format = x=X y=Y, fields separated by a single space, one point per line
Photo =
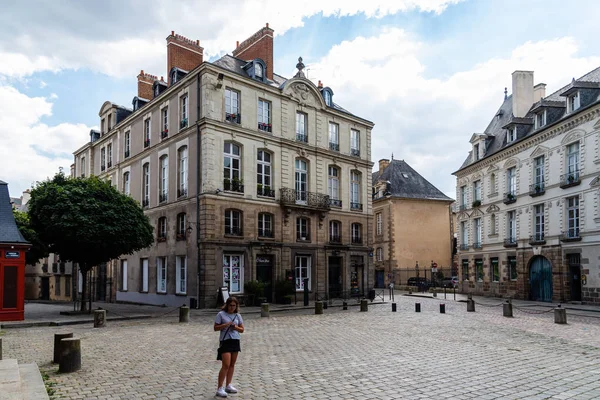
x=507 y=309
x=264 y=310
x=344 y=306
x=393 y=307
x=417 y=307
x=318 y=307
x=442 y=309
x=470 y=305
x=99 y=318
x=560 y=315
x=364 y=305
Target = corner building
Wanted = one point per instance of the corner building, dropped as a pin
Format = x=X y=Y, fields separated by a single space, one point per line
x=246 y=175
x=529 y=196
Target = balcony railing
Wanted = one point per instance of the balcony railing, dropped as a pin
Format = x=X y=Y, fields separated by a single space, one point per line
x=537 y=189
x=302 y=237
x=181 y=192
x=302 y=137
x=334 y=146
x=183 y=123
x=292 y=197
x=164 y=134
x=356 y=206
x=336 y=239
x=510 y=242
x=335 y=203
x=102 y=167
x=537 y=239
x=109 y=164
x=265 y=233
x=146 y=143
x=355 y=152
x=263 y=126
x=163 y=197
x=356 y=240
x=464 y=246
x=126 y=153
x=264 y=191
x=233 y=117
x=509 y=198
x=145 y=203
x=477 y=245
x=570 y=235
x=570 y=179
x=233 y=186
x=233 y=231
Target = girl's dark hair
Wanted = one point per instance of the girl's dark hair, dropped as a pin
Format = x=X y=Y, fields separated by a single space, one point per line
x=230 y=300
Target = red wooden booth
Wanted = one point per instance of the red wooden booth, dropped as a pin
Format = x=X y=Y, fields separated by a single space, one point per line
x=12 y=262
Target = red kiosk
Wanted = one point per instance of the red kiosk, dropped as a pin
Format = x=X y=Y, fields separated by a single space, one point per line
x=12 y=262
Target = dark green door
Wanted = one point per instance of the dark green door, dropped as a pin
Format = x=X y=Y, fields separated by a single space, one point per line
x=335 y=277
x=540 y=279
x=264 y=273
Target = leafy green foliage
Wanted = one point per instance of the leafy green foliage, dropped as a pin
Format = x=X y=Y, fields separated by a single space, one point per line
x=38 y=248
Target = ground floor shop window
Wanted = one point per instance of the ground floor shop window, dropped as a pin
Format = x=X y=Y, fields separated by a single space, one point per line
x=144 y=275
x=124 y=275
x=302 y=271
x=512 y=268
x=161 y=274
x=494 y=269
x=479 y=269
x=181 y=274
x=233 y=272
x=465 y=270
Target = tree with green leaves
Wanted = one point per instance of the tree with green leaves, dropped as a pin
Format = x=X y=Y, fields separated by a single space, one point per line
x=87 y=221
x=38 y=248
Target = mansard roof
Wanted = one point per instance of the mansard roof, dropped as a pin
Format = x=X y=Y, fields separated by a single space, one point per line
x=9 y=233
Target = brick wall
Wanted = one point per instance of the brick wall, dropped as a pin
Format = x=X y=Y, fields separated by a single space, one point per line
x=145 y=82
x=183 y=53
x=259 y=45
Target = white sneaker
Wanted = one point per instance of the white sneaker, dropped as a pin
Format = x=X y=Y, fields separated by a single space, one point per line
x=230 y=389
x=221 y=392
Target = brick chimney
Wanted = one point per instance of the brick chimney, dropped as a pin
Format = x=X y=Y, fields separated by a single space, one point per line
x=183 y=53
x=259 y=45
x=383 y=164
x=522 y=92
x=145 y=82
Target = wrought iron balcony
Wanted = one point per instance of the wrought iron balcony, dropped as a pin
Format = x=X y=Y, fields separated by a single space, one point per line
x=356 y=240
x=126 y=153
x=263 y=126
x=570 y=235
x=233 y=231
x=356 y=206
x=355 y=152
x=537 y=239
x=302 y=137
x=335 y=239
x=102 y=168
x=164 y=196
x=233 y=186
x=233 y=117
x=537 y=189
x=477 y=245
x=265 y=233
x=510 y=242
x=509 y=198
x=570 y=179
x=464 y=246
x=335 y=203
x=302 y=237
x=181 y=192
x=297 y=198
x=164 y=134
x=146 y=143
x=183 y=123
x=334 y=146
x=264 y=191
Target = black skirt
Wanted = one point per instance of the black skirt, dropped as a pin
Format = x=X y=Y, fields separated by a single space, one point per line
x=229 y=346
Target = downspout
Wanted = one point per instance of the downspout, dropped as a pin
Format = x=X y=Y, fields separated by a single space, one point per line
x=198 y=169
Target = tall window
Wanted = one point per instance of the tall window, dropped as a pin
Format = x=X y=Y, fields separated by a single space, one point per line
x=164 y=179
x=479 y=269
x=379 y=254
x=477 y=191
x=143 y=274
x=540 y=119
x=181 y=226
x=124 y=275
x=492 y=183
x=232 y=106
x=302 y=229
x=335 y=229
x=146 y=132
x=574 y=102
x=181 y=274
x=258 y=70
x=301 y=181
x=477 y=231
x=356 y=233
x=263 y=174
x=494 y=269
x=265 y=225
x=102 y=159
x=538 y=165
x=82 y=166
x=573 y=160
x=573 y=217
x=162 y=229
x=355 y=203
x=302 y=271
x=161 y=274
x=465 y=270
x=476 y=152
x=334 y=137
x=165 y=121
x=511 y=181
x=464 y=236
x=146 y=185
x=539 y=222
x=354 y=142
x=109 y=155
x=511 y=134
x=182 y=176
x=512 y=267
x=127 y=144
x=493 y=224
x=233 y=222
x=231 y=167
x=379 y=221
x=333 y=188
x=183 y=107
x=109 y=122
x=301 y=132
x=512 y=226
x=233 y=271
x=463 y=197
x=264 y=115
x=126 y=185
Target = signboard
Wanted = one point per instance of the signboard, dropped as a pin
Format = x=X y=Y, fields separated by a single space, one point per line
x=12 y=254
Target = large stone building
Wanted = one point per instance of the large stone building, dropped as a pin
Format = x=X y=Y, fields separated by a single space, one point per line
x=528 y=195
x=245 y=174
x=412 y=225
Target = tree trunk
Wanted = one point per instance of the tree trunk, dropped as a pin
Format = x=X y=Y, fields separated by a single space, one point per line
x=84 y=272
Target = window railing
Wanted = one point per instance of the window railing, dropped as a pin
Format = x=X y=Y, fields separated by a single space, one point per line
x=164 y=134
x=163 y=197
x=146 y=143
x=477 y=245
x=183 y=123
x=145 y=203
x=335 y=239
x=570 y=179
x=233 y=117
x=355 y=152
x=181 y=192
x=265 y=233
x=537 y=189
x=233 y=230
x=509 y=198
x=233 y=186
x=334 y=146
x=126 y=153
x=570 y=235
x=356 y=240
x=537 y=239
x=102 y=167
x=464 y=246
x=356 y=206
x=292 y=197
x=302 y=137
x=510 y=242
x=335 y=202
x=302 y=237
x=264 y=191
x=463 y=207
x=263 y=126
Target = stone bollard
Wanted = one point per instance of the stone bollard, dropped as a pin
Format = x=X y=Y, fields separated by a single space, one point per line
x=58 y=349
x=318 y=307
x=364 y=305
x=70 y=358
x=471 y=305
x=264 y=310
x=393 y=307
x=184 y=313
x=442 y=309
x=99 y=318
x=417 y=307
x=507 y=309
x=344 y=306
x=560 y=315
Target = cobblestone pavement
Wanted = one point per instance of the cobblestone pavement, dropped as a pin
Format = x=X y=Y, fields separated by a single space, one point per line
x=338 y=355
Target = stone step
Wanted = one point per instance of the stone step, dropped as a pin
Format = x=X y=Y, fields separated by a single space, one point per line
x=10 y=380
x=32 y=384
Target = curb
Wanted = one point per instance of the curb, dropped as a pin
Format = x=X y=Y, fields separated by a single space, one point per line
x=63 y=323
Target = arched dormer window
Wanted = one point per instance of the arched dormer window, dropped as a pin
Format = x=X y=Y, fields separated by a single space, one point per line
x=173 y=76
x=258 y=70
x=328 y=96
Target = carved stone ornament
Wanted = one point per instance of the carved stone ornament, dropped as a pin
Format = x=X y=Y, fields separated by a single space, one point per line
x=492 y=209
x=301 y=93
x=301 y=152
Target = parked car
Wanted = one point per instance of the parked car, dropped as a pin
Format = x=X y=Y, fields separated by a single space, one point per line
x=417 y=281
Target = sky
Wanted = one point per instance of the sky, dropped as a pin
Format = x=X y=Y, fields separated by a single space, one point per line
x=428 y=73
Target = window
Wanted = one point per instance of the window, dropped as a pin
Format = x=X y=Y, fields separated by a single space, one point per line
x=56 y=285
x=126 y=185
x=144 y=274
x=573 y=161
x=477 y=232
x=335 y=228
x=493 y=224
x=82 y=166
x=233 y=272
x=146 y=185
x=477 y=191
x=232 y=106
x=302 y=229
x=183 y=107
x=302 y=272
x=354 y=142
x=163 y=183
x=511 y=134
x=356 y=233
x=165 y=122
x=161 y=274
x=181 y=226
x=327 y=96
x=334 y=137
x=233 y=222
x=573 y=217
x=147 y=133
x=263 y=174
x=109 y=155
x=102 y=126
x=182 y=175
x=355 y=203
x=538 y=173
x=512 y=267
x=494 y=269
x=379 y=254
x=479 y=269
x=173 y=77
x=511 y=181
x=540 y=119
x=333 y=186
x=127 y=144
x=264 y=115
x=109 y=127
x=463 y=198
x=258 y=70
x=574 y=102
x=492 y=184
x=301 y=181
x=301 y=132
x=512 y=227
x=465 y=270
x=231 y=167
x=464 y=236
x=181 y=274
x=124 y=275
x=265 y=225
x=539 y=222
x=379 y=220
x=68 y=286
x=476 y=152
x=162 y=229
x=102 y=159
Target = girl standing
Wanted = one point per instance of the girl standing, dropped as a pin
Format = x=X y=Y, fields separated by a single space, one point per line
x=230 y=323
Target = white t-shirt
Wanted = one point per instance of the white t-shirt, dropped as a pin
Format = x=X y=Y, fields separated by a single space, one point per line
x=223 y=318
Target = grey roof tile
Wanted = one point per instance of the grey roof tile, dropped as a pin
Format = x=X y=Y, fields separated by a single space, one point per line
x=9 y=233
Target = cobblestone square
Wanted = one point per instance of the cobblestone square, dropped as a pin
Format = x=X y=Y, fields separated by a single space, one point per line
x=338 y=355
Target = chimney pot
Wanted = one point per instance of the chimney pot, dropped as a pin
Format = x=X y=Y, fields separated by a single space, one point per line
x=267 y=24
x=237 y=44
x=172 y=33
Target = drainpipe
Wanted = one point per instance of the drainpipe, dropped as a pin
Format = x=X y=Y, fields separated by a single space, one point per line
x=198 y=169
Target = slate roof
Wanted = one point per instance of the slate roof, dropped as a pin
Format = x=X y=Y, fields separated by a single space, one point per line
x=497 y=134
x=9 y=233
x=406 y=183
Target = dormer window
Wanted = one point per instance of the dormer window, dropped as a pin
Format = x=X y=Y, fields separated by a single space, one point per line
x=511 y=135
x=327 y=97
x=156 y=91
x=540 y=119
x=173 y=77
x=475 y=152
x=258 y=70
x=573 y=102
